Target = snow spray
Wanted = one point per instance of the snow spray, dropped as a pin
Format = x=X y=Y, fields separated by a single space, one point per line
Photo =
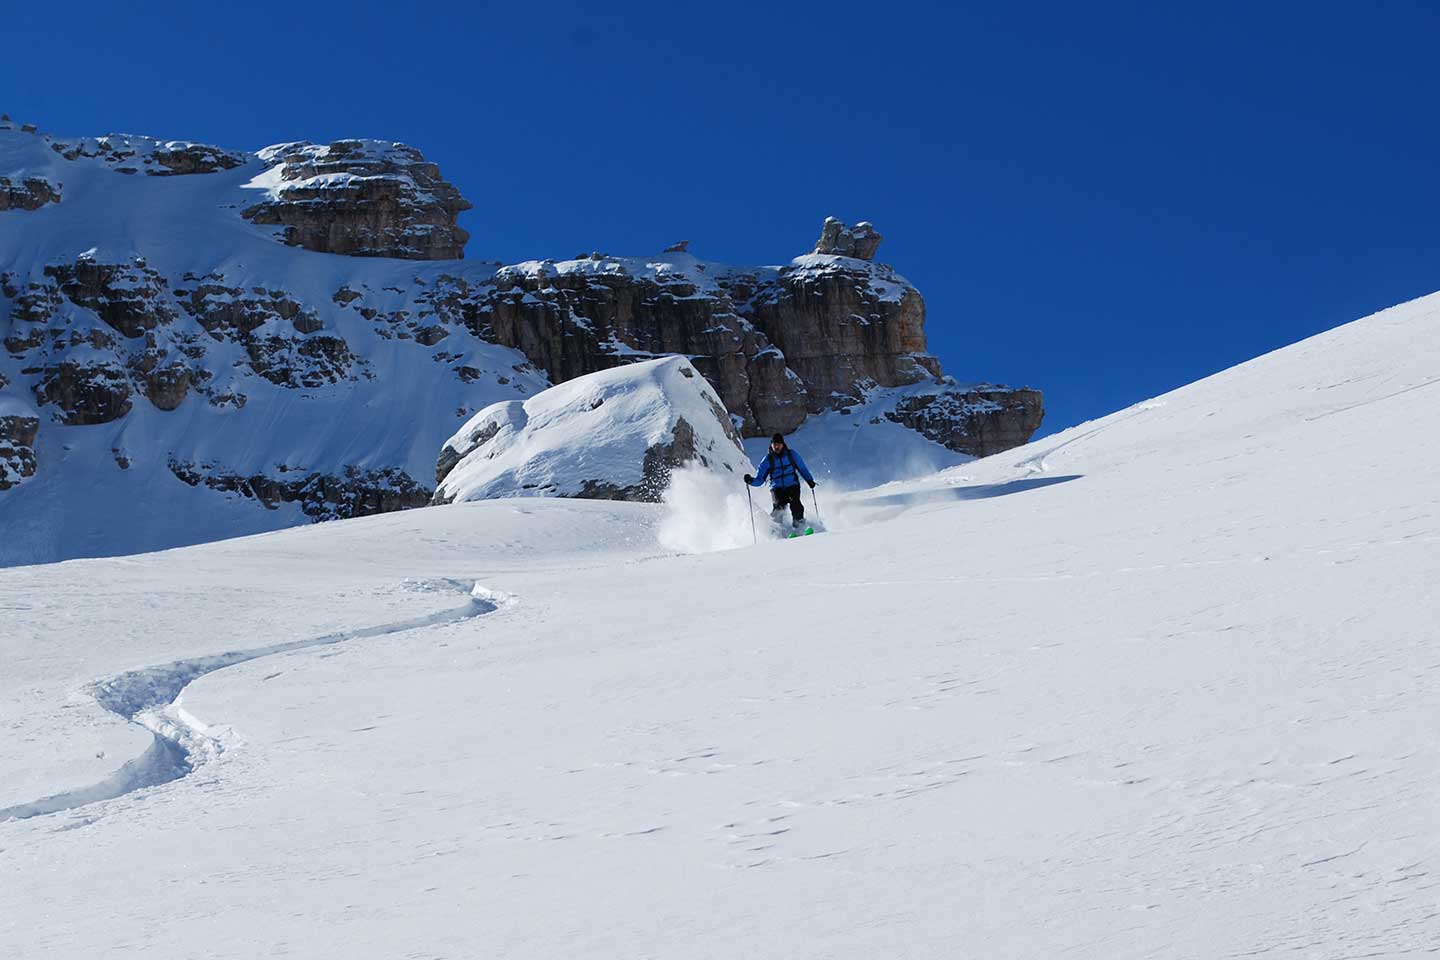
x=704 y=512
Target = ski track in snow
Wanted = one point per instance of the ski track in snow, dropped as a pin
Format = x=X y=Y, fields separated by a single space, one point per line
x=182 y=743
x=1038 y=462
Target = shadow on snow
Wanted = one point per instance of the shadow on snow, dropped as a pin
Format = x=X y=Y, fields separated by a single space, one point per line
x=984 y=491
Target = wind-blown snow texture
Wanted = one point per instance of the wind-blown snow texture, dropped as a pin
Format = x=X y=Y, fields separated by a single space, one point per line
x=1157 y=686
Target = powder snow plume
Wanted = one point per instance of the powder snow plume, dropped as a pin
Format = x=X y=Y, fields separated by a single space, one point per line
x=705 y=512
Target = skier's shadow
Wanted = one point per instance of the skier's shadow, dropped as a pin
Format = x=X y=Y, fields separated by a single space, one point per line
x=983 y=491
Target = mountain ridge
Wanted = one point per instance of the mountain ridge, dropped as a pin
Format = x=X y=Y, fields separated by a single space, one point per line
x=281 y=327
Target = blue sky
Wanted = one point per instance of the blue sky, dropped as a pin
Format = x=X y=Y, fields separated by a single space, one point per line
x=1104 y=200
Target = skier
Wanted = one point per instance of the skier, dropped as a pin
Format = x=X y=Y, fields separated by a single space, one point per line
x=784 y=467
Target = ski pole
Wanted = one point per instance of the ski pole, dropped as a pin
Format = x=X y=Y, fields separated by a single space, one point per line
x=815 y=500
x=751 y=504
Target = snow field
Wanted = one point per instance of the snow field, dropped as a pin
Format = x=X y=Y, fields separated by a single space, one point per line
x=1157 y=686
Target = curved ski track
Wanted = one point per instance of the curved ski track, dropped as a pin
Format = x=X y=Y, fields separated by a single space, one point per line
x=147 y=696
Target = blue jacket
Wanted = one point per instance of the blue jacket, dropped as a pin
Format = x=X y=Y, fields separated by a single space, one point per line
x=781 y=470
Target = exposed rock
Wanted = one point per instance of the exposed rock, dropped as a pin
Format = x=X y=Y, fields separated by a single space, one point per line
x=979 y=422
x=842 y=325
x=232 y=313
x=17 y=449
x=300 y=362
x=32 y=193
x=167 y=386
x=354 y=492
x=579 y=317
x=776 y=344
x=182 y=159
x=307 y=322
x=131 y=154
x=680 y=246
x=32 y=301
x=264 y=322
x=87 y=393
x=860 y=241
x=130 y=297
x=363 y=198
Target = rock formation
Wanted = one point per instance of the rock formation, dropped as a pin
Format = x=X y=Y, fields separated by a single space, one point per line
x=364 y=198
x=978 y=421
x=155 y=158
x=859 y=242
x=17 y=446
x=31 y=193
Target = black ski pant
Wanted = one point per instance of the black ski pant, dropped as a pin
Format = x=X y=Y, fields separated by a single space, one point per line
x=787 y=496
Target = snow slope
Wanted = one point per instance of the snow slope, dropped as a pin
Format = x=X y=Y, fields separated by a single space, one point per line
x=1157 y=686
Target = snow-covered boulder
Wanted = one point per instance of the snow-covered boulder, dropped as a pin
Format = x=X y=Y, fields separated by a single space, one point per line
x=612 y=435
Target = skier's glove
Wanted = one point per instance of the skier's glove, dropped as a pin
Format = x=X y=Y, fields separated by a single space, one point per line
x=749 y=479
x=812 y=484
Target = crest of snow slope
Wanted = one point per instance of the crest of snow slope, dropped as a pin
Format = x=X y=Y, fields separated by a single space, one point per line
x=1161 y=685
x=612 y=434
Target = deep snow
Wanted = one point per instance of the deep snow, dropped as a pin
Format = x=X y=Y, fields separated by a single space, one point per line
x=1160 y=685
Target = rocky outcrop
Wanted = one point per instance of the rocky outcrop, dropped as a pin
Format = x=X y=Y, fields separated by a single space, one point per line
x=352 y=492
x=844 y=324
x=979 y=422
x=859 y=242
x=17 y=448
x=155 y=158
x=185 y=159
x=364 y=198
x=778 y=344
x=166 y=384
x=582 y=316
x=87 y=393
x=129 y=297
x=31 y=193
x=280 y=336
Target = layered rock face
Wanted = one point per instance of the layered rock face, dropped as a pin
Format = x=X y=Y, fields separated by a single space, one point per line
x=577 y=317
x=777 y=343
x=364 y=198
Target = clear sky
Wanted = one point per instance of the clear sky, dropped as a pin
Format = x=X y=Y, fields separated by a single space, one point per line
x=1102 y=200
